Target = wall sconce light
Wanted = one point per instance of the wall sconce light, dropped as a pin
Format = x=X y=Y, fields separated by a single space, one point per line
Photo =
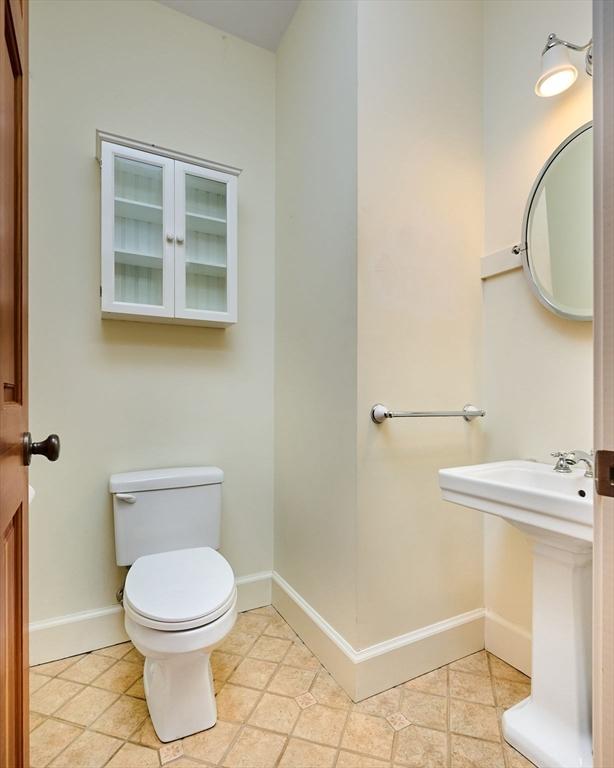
x=558 y=73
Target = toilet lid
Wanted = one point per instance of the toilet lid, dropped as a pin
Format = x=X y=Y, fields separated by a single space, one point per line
x=179 y=586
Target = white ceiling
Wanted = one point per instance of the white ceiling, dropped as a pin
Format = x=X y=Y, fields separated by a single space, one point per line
x=261 y=22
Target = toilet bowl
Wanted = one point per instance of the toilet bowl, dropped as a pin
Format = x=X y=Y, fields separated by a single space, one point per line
x=179 y=606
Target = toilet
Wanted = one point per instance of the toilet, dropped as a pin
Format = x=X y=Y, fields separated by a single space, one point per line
x=180 y=598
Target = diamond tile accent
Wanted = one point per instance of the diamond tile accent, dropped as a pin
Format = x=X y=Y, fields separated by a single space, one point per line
x=306 y=700
x=397 y=721
x=277 y=708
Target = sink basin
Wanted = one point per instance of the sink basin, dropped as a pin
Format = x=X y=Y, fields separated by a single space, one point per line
x=552 y=727
x=528 y=494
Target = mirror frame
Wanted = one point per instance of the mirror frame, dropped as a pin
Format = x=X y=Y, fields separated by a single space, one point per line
x=523 y=248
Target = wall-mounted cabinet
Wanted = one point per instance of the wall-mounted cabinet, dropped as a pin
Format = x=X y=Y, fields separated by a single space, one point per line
x=168 y=238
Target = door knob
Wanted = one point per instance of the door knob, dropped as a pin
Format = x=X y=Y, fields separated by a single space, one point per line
x=49 y=448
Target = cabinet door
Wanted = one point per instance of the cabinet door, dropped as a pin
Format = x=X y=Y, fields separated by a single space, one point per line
x=206 y=249
x=137 y=233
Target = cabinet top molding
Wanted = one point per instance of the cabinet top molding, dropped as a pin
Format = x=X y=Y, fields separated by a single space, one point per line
x=114 y=138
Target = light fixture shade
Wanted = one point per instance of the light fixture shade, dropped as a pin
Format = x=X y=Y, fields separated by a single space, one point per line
x=558 y=73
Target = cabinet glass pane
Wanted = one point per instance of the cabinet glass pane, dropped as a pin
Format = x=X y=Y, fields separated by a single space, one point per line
x=205 y=243
x=139 y=243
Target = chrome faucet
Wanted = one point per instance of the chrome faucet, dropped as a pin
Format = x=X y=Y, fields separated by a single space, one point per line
x=588 y=459
x=566 y=460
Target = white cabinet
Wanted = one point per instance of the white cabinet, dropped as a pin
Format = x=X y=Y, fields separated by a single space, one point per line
x=168 y=238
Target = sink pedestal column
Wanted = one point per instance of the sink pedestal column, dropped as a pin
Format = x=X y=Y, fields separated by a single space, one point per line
x=552 y=728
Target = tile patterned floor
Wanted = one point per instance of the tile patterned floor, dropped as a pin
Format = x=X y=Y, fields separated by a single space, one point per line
x=277 y=706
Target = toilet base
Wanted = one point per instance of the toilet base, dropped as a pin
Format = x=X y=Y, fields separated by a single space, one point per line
x=180 y=694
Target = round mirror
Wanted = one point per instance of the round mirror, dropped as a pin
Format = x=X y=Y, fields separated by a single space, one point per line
x=557 y=229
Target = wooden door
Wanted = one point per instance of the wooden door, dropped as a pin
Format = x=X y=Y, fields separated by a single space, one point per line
x=603 y=624
x=13 y=387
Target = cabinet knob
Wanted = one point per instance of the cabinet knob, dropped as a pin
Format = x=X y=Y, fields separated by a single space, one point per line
x=170 y=237
x=179 y=239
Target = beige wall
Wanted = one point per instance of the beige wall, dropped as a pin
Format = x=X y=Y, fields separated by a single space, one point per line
x=125 y=395
x=537 y=368
x=315 y=363
x=420 y=236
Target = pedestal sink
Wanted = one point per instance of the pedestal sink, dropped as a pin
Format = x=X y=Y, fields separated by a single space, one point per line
x=552 y=727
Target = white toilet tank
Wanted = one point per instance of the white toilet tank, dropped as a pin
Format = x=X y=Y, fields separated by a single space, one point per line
x=159 y=510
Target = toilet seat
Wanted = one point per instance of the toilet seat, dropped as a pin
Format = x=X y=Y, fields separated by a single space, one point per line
x=179 y=590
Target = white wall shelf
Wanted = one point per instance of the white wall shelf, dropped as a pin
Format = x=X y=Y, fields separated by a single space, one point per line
x=168 y=237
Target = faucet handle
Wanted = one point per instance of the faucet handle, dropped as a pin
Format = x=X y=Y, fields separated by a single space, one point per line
x=564 y=461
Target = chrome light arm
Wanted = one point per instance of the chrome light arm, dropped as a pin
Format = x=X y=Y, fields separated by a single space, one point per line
x=553 y=40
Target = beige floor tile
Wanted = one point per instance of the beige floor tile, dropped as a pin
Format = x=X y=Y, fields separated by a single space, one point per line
x=224 y=664
x=305 y=754
x=170 y=752
x=119 y=677
x=147 y=736
x=255 y=749
x=134 y=656
x=353 y=760
x=90 y=750
x=300 y=656
x=425 y=709
x=53 y=695
x=87 y=668
x=421 y=748
x=435 y=682
x=87 y=705
x=279 y=628
x=369 y=735
x=116 y=651
x=134 y=756
x=122 y=718
x=186 y=762
x=269 y=648
x=475 y=720
x=238 y=642
x=252 y=622
x=464 y=685
x=210 y=745
x=508 y=693
x=36 y=720
x=514 y=759
x=476 y=663
x=291 y=681
x=500 y=669
x=265 y=610
x=37 y=681
x=327 y=691
x=235 y=703
x=275 y=713
x=322 y=724
x=48 y=740
x=137 y=689
x=382 y=704
x=474 y=753
x=53 y=668
x=253 y=673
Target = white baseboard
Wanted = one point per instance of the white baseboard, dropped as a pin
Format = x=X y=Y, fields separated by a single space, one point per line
x=508 y=641
x=75 y=633
x=368 y=671
x=86 y=631
x=254 y=591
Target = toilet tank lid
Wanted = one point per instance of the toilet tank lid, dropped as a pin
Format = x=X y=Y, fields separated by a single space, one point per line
x=159 y=479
